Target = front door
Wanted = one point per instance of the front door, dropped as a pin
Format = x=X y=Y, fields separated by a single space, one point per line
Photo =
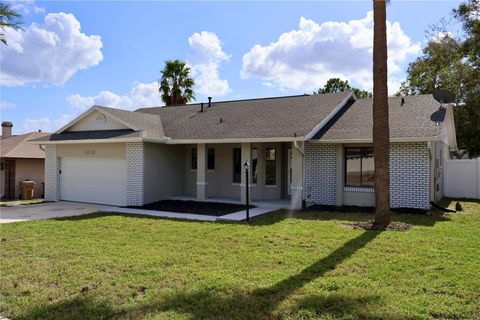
x=289 y=171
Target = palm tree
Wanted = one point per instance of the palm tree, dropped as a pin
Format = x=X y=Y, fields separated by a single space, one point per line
x=176 y=85
x=9 y=18
x=381 y=132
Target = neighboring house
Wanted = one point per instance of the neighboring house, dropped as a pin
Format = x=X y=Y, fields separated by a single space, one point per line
x=20 y=161
x=302 y=149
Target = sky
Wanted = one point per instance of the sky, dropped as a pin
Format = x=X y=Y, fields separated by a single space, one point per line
x=71 y=55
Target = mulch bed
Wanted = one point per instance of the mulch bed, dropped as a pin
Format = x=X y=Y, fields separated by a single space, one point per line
x=368 y=225
x=195 y=207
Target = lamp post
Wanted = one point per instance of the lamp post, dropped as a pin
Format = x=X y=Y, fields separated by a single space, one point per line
x=247 y=190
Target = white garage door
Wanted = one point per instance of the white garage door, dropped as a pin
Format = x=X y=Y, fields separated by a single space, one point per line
x=95 y=180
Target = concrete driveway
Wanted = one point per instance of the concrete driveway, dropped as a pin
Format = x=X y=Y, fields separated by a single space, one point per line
x=46 y=211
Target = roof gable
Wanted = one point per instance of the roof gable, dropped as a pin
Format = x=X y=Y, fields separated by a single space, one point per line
x=115 y=119
x=96 y=121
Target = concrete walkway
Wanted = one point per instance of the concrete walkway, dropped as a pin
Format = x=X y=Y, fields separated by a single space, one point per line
x=163 y=214
x=62 y=209
x=46 y=211
x=242 y=215
x=236 y=216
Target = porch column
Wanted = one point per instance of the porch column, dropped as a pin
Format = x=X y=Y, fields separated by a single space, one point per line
x=246 y=156
x=201 y=172
x=297 y=176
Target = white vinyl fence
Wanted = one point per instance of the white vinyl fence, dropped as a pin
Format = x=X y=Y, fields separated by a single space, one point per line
x=462 y=178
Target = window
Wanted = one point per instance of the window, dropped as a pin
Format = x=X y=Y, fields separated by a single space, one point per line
x=194 y=159
x=359 y=167
x=270 y=167
x=237 y=165
x=211 y=159
x=254 y=165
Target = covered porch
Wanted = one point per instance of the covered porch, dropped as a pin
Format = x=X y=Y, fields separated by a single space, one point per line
x=215 y=172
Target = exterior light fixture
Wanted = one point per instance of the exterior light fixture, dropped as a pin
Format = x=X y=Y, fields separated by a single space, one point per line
x=246 y=165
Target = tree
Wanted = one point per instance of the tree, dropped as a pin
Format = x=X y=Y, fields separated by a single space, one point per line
x=381 y=132
x=9 y=18
x=176 y=85
x=338 y=85
x=453 y=63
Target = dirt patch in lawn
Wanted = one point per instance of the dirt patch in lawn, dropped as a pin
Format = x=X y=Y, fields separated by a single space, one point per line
x=195 y=207
x=368 y=225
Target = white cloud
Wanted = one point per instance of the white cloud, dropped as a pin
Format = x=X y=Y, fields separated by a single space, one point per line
x=4 y=105
x=52 y=52
x=440 y=36
x=141 y=95
x=46 y=124
x=204 y=58
x=305 y=58
x=27 y=7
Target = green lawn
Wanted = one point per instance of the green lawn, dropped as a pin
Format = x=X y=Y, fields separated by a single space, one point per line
x=283 y=265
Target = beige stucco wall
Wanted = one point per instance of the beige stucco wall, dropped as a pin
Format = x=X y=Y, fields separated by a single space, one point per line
x=97 y=150
x=31 y=169
x=89 y=123
x=220 y=181
x=164 y=171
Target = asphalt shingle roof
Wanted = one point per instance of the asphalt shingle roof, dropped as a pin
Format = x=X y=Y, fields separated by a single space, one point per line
x=279 y=117
x=150 y=124
x=16 y=146
x=255 y=118
x=412 y=120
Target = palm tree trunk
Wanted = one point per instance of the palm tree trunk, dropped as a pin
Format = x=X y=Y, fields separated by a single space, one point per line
x=381 y=134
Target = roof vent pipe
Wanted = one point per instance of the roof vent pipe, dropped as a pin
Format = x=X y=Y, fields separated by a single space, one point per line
x=403 y=102
x=209 y=102
x=201 y=107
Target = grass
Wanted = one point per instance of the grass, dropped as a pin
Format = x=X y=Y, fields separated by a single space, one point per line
x=282 y=266
x=20 y=202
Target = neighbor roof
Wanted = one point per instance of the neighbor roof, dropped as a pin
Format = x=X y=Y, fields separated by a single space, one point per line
x=15 y=146
x=410 y=120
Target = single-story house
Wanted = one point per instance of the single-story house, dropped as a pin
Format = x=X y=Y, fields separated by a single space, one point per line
x=302 y=150
x=20 y=161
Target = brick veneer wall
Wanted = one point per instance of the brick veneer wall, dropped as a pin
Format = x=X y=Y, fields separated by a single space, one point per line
x=135 y=173
x=320 y=173
x=51 y=174
x=409 y=175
